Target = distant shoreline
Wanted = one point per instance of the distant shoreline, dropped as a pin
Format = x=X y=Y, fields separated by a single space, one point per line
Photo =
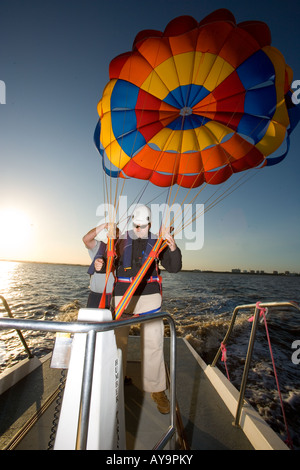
x=43 y=262
x=205 y=271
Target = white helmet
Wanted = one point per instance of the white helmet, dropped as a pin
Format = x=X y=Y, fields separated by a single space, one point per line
x=141 y=215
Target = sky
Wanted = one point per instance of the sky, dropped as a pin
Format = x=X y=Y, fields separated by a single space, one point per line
x=54 y=59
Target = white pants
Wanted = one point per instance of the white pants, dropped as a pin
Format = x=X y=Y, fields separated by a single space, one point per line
x=152 y=353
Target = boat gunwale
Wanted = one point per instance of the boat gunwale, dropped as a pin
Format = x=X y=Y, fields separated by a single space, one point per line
x=259 y=433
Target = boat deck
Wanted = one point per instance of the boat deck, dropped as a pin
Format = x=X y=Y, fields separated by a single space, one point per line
x=206 y=421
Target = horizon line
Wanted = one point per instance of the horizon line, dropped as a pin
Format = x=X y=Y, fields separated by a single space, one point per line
x=232 y=271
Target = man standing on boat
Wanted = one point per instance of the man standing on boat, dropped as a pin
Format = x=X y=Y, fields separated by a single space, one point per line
x=133 y=249
x=95 y=241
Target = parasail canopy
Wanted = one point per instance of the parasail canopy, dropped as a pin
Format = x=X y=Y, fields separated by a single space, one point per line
x=196 y=103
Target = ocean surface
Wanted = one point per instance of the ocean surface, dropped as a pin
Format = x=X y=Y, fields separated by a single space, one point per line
x=201 y=304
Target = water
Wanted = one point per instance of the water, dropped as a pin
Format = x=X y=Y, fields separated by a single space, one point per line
x=40 y=292
x=201 y=304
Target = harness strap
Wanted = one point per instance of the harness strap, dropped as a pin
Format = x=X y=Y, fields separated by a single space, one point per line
x=109 y=267
x=138 y=278
x=149 y=311
x=130 y=279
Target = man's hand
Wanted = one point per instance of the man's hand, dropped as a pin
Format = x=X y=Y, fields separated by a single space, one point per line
x=170 y=241
x=99 y=263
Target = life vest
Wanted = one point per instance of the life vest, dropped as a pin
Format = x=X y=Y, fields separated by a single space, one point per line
x=100 y=254
x=128 y=266
x=125 y=270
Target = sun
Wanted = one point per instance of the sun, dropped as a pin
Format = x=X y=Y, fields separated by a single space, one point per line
x=15 y=229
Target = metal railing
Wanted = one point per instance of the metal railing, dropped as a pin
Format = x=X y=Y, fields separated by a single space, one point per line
x=250 y=345
x=91 y=330
x=9 y=312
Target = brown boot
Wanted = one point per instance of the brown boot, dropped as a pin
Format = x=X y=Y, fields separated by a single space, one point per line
x=163 y=404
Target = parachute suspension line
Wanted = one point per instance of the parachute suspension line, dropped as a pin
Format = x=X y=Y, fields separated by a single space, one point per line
x=107 y=186
x=105 y=182
x=119 y=190
x=176 y=215
x=154 y=253
x=106 y=192
x=190 y=155
x=220 y=198
x=217 y=79
x=227 y=158
x=244 y=141
x=163 y=226
x=166 y=144
x=142 y=191
x=168 y=198
x=221 y=149
x=108 y=198
x=228 y=191
x=110 y=243
x=170 y=137
x=213 y=203
x=180 y=149
x=232 y=188
x=123 y=132
x=164 y=147
x=225 y=193
x=179 y=210
x=244 y=178
x=134 y=202
x=117 y=199
x=140 y=194
x=110 y=170
x=174 y=172
x=109 y=268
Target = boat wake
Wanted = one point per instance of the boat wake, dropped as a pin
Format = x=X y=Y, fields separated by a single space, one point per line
x=205 y=332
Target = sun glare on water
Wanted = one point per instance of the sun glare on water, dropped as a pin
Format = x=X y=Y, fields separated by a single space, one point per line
x=15 y=231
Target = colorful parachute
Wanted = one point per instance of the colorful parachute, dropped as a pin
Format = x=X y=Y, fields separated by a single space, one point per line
x=196 y=103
